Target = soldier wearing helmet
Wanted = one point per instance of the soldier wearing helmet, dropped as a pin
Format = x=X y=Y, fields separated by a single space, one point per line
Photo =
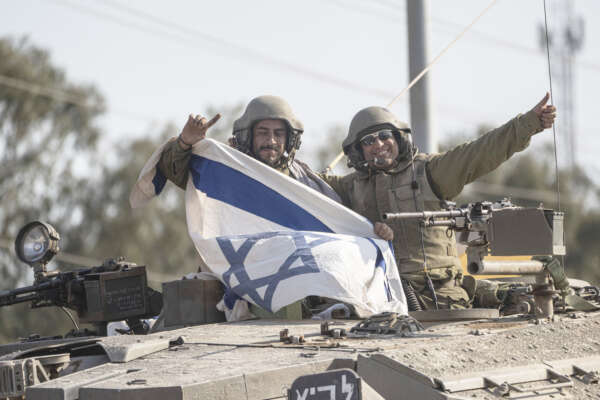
x=392 y=176
x=268 y=131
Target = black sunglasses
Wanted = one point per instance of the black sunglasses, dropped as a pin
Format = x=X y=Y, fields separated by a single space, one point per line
x=382 y=135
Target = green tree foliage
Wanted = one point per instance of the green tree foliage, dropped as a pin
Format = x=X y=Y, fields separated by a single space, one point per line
x=39 y=139
x=91 y=210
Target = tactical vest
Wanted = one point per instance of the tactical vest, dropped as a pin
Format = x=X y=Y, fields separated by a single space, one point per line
x=392 y=191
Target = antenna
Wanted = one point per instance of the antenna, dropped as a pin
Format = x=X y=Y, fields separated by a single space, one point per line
x=563 y=42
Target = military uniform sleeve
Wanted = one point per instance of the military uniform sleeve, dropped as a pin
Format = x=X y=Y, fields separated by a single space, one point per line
x=174 y=162
x=337 y=184
x=449 y=172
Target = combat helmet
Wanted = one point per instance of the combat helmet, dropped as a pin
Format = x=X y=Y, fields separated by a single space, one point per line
x=369 y=120
x=268 y=107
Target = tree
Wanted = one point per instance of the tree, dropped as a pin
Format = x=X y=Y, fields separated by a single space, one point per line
x=155 y=236
x=47 y=124
x=41 y=136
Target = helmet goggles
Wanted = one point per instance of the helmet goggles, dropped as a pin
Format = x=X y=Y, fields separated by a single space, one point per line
x=382 y=135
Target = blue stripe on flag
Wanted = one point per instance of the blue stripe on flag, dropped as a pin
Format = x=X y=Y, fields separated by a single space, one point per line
x=159 y=181
x=230 y=186
x=380 y=263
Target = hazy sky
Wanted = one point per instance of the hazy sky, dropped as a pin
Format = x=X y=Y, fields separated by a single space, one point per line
x=328 y=58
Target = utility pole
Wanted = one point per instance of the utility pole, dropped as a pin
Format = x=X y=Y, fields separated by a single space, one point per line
x=565 y=40
x=417 y=13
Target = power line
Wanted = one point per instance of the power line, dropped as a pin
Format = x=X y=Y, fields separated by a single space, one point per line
x=454 y=26
x=452 y=43
x=222 y=45
x=142 y=15
x=468 y=118
x=467 y=115
x=457 y=26
x=364 y=9
x=45 y=91
x=425 y=70
x=60 y=95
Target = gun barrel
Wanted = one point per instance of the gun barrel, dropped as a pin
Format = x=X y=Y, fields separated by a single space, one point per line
x=7 y=300
x=445 y=222
x=26 y=293
x=531 y=267
x=425 y=215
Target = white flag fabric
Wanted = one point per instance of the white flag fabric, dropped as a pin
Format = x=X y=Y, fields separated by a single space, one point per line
x=272 y=240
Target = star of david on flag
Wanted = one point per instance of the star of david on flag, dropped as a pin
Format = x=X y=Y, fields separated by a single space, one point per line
x=272 y=240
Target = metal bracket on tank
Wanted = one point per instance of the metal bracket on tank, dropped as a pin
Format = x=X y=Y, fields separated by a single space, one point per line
x=388 y=323
x=540 y=380
x=506 y=389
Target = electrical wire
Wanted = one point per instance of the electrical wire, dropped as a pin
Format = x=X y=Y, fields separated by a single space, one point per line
x=476 y=33
x=451 y=112
x=62 y=96
x=149 y=17
x=425 y=70
x=222 y=45
x=45 y=91
x=435 y=60
x=70 y=317
x=438 y=24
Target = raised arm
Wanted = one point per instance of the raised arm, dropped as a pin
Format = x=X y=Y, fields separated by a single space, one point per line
x=176 y=155
x=449 y=172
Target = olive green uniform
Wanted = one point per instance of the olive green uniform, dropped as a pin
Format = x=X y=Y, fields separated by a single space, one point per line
x=439 y=177
x=173 y=163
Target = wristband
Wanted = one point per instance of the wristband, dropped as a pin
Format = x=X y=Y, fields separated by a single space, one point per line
x=180 y=139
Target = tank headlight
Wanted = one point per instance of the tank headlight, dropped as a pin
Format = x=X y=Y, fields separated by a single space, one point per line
x=37 y=243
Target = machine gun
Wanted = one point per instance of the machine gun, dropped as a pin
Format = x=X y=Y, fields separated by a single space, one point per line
x=503 y=229
x=116 y=290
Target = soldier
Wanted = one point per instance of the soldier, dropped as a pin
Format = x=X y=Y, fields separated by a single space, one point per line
x=392 y=176
x=268 y=131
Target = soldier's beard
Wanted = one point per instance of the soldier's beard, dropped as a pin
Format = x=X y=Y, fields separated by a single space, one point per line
x=270 y=160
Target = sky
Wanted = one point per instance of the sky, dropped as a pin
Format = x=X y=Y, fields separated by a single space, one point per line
x=156 y=62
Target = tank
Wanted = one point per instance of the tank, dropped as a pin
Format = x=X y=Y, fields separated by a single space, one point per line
x=538 y=341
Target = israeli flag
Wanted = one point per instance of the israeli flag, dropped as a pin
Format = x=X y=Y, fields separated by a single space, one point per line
x=272 y=240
